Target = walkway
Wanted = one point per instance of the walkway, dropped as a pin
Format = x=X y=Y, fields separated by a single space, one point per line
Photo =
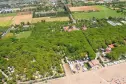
x=3 y=74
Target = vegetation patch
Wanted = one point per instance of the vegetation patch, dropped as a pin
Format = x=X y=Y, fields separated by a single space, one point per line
x=8 y=14
x=102 y=37
x=118 y=52
x=5 y=23
x=24 y=34
x=103 y=13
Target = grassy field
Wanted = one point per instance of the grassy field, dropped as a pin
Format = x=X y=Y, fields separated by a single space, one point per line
x=103 y=13
x=48 y=19
x=8 y=14
x=9 y=35
x=25 y=34
x=5 y=23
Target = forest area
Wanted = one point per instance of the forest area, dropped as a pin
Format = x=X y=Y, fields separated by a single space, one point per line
x=43 y=50
x=48 y=43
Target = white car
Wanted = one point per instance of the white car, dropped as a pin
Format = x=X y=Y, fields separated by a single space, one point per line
x=120 y=61
x=123 y=60
x=108 y=64
x=115 y=63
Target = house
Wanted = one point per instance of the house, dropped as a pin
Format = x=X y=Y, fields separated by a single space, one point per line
x=94 y=64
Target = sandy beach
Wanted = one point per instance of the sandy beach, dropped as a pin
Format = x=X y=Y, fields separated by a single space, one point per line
x=107 y=75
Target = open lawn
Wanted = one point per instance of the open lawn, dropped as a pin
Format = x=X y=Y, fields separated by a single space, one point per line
x=25 y=34
x=48 y=19
x=103 y=13
x=8 y=14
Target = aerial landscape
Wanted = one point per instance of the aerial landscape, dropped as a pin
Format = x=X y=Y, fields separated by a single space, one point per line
x=62 y=41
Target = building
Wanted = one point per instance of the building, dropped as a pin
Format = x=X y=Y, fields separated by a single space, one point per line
x=94 y=64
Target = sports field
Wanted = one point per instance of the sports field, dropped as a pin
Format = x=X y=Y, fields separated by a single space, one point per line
x=24 y=34
x=103 y=12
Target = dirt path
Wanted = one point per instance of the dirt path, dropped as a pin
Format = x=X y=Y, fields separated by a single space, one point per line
x=67 y=69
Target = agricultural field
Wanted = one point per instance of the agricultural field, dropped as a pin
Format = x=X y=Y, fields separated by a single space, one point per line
x=8 y=14
x=24 y=34
x=9 y=35
x=49 y=19
x=103 y=12
x=50 y=10
x=84 y=8
x=22 y=18
x=2 y=29
x=5 y=21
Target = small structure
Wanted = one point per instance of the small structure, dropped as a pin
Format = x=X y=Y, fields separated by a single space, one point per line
x=84 y=28
x=124 y=22
x=66 y=28
x=69 y=29
x=111 y=23
x=16 y=9
x=108 y=50
x=26 y=26
x=94 y=64
x=104 y=59
x=111 y=46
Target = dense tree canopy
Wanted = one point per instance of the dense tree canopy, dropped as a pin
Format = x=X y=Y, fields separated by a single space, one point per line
x=102 y=37
x=49 y=43
x=44 y=49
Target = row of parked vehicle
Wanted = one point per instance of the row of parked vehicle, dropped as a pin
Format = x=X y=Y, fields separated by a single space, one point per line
x=115 y=62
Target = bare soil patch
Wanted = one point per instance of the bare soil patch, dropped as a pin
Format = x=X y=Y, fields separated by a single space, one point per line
x=49 y=19
x=84 y=8
x=6 y=18
x=22 y=18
